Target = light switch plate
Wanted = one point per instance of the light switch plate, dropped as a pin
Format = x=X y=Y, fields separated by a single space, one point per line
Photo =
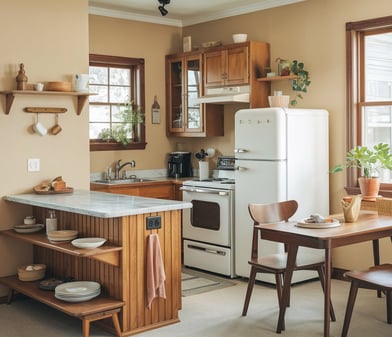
x=33 y=165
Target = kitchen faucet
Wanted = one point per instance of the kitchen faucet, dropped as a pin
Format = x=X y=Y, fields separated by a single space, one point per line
x=119 y=166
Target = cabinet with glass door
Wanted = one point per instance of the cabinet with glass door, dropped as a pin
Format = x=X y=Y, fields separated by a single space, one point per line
x=185 y=116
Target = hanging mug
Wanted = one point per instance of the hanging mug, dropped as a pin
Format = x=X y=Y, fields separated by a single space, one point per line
x=39 y=128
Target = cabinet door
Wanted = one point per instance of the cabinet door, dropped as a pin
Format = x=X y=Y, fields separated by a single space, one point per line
x=214 y=69
x=192 y=83
x=175 y=95
x=237 y=71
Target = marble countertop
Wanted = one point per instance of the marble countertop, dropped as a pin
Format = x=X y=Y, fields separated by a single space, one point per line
x=98 y=204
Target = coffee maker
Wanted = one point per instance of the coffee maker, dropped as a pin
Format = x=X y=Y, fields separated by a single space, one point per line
x=179 y=164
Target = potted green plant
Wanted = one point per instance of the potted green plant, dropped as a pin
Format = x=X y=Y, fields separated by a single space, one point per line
x=301 y=83
x=370 y=161
x=130 y=117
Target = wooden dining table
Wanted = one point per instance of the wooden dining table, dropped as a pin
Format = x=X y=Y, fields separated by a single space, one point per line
x=369 y=227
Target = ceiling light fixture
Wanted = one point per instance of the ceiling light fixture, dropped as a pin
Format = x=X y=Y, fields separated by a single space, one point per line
x=162 y=8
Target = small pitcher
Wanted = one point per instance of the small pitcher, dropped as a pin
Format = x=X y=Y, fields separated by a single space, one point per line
x=351 y=208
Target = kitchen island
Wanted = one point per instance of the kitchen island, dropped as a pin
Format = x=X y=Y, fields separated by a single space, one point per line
x=120 y=265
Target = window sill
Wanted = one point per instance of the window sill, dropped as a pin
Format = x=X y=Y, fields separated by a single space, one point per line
x=112 y=146
x=387 y=193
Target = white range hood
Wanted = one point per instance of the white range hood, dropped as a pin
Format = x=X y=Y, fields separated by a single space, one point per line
x=226 y=95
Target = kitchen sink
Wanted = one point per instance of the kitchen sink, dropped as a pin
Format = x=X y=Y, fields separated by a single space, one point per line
x=121 y=181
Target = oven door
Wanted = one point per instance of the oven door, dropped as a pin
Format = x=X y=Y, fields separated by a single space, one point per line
x=210 y=218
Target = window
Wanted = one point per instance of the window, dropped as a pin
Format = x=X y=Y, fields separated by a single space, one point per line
x=115 y=81
x=369 y=90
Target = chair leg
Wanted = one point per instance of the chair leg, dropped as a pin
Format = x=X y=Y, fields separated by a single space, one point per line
x=389 y=306
x=249 y=290
x=350 y=306
x=321 y=273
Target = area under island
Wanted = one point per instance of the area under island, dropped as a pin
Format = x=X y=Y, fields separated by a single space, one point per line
x=119 y=265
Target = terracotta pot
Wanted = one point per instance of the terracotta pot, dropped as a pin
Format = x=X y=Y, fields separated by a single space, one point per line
x=369 y=187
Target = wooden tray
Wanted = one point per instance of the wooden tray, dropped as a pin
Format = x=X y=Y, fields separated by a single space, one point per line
x=66 y=190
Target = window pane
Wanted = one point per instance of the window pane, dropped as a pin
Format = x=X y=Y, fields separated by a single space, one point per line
x=101 y=94
x=119 y=94
x=99 y=113
x=98 y=75
x=120 y=76
x=377 y=128
x=96 y=128
x=378 y=67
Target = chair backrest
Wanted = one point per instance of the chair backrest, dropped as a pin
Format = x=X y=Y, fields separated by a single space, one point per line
x=275 y=212
x=269 y=213
x=384 y=206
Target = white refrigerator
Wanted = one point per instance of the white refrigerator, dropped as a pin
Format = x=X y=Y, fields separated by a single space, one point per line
x=281 y=154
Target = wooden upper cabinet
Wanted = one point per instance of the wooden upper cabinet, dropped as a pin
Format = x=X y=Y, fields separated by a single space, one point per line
x=226 y=67
x=186 y=117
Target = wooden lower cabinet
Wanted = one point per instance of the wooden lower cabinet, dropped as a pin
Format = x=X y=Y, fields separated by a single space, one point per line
x=159 y=190
x=122 y=270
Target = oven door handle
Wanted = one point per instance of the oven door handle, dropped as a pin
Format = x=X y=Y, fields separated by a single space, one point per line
x=207 y=250
x=200 y=190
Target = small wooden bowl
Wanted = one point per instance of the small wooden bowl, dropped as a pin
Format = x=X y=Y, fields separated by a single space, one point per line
x=58 y=86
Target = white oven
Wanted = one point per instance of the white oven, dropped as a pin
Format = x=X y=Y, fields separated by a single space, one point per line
x=208 y=227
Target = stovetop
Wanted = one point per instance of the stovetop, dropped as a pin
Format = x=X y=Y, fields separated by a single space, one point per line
x=224 y=180
x=221 y=183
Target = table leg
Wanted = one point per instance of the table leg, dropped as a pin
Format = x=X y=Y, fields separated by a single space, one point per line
x=376 y=257
x=291 y=259
x=327 y=291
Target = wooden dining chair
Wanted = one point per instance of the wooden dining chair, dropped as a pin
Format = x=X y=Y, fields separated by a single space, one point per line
x=276 y=263
x=384 y=207
x=378 y=278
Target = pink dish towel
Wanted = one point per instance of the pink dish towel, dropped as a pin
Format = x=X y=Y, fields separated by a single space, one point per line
x=155 y=270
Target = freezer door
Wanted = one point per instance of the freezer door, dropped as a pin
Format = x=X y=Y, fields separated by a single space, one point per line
x=260 y=134
x=256 y=182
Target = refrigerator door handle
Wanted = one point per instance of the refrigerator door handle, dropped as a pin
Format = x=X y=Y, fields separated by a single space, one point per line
x=240 y=168
x=239 y=150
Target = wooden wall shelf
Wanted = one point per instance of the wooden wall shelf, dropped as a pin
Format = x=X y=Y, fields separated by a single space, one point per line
x=277 y=78
x=10 y=96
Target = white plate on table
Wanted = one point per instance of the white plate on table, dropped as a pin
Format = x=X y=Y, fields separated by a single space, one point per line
x=303 y=223
x=88 y=243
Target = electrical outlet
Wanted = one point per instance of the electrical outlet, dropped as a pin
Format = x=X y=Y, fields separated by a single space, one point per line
x=33 y=165
x=153 y=222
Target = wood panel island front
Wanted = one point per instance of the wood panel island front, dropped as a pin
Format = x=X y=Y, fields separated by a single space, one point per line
x=119 y=265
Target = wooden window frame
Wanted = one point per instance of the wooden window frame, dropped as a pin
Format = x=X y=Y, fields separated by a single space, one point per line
x=138 y=96
x=355 y=31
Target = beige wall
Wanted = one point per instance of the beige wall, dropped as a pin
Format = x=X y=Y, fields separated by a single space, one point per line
x=51 y=39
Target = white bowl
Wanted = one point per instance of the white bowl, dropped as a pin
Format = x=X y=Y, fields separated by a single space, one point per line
x=29 y=220
x=237 y=38
x=88 y=242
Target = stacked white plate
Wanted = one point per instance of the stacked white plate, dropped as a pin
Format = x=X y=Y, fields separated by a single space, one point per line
x=62 y=235
x=79 y=291
x=28 y=228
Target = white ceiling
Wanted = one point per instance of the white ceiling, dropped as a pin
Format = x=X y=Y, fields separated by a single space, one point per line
x=181 y=12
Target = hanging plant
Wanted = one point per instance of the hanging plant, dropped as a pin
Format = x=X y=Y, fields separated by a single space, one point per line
x=301 y=83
